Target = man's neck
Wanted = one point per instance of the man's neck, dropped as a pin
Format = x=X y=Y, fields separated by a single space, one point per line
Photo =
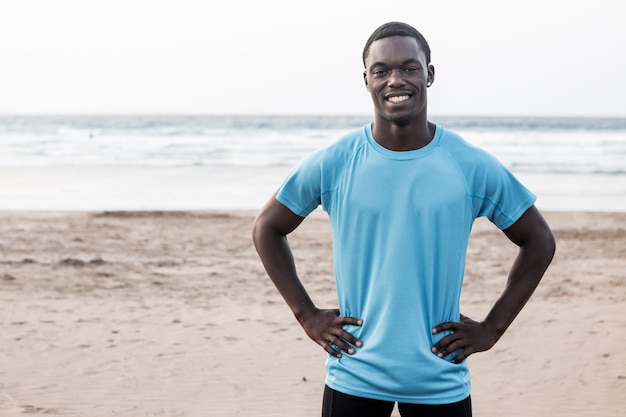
x=399 y=137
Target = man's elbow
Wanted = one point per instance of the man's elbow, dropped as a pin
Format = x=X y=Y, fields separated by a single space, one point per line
x=545 y=244
x=259 y=228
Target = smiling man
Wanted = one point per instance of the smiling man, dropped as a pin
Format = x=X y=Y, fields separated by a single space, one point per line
x=402 y=194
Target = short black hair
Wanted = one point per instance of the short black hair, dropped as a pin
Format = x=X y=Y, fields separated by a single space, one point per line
x=396 y=29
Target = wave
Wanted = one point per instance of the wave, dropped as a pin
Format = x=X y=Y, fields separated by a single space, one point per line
x=201 y=124
x=525 y=144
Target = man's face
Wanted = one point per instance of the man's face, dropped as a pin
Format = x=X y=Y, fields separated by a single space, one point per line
x=396 y=75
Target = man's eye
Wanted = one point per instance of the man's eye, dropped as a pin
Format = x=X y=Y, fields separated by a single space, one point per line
x=379 y=73
x=411 y=69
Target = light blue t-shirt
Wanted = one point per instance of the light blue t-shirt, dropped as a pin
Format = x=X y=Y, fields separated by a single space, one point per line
x=401 y=223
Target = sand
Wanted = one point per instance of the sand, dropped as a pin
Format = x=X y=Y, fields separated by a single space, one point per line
x=170 y=314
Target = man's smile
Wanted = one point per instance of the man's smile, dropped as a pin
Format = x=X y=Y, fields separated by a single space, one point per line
x=398 y=99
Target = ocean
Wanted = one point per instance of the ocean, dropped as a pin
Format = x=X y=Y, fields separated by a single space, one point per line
x=133 y=162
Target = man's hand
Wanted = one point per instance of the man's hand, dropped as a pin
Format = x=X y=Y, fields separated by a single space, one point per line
x=468 y=335
x=536 y=245
x=325 y=327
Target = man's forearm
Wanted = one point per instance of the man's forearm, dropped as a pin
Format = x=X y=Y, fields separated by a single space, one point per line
x=526 y=273
x=277 y=258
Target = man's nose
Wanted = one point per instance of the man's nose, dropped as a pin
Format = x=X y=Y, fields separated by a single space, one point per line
x=396 y=78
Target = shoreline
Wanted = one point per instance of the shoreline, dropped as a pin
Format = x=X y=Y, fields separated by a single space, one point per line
x=238 y=188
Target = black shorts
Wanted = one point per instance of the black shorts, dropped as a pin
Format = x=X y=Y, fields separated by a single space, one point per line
x=337 y=404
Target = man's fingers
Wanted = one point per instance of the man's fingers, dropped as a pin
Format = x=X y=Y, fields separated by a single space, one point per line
x=445 y=343
x=343 y=320
x=462 y=356
x=466 y=339
x=330 y=335
x=335 y=346
x=350 y=338
x=346 y=336
x=449 y=325
x=345 y=341
x=328 y=347
x=447 y=349
x=342 y=341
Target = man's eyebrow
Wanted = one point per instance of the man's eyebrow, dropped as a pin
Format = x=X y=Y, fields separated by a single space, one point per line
x=384 y=64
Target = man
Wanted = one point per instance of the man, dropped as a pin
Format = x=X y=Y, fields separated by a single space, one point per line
x=401 y=194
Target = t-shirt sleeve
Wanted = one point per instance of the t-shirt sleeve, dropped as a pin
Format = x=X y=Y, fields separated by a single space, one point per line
x=301 y=190
x=499 y=195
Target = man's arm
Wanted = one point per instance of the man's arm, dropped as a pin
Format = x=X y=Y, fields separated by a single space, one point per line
x=325 y=327
x=536 y=250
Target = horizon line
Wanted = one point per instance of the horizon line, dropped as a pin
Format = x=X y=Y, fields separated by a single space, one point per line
x=201 y=114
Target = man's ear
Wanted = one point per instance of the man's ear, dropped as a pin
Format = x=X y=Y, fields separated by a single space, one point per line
x=431 y=75
x=367 y=86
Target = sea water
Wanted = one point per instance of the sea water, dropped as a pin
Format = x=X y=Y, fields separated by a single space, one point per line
x=235 y=162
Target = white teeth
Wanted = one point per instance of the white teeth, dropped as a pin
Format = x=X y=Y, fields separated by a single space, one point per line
x=398 y=99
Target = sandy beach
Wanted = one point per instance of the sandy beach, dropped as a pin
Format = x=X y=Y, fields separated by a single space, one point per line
x=169 y=313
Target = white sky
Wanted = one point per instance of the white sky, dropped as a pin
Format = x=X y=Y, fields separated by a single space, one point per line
x=492 y=57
